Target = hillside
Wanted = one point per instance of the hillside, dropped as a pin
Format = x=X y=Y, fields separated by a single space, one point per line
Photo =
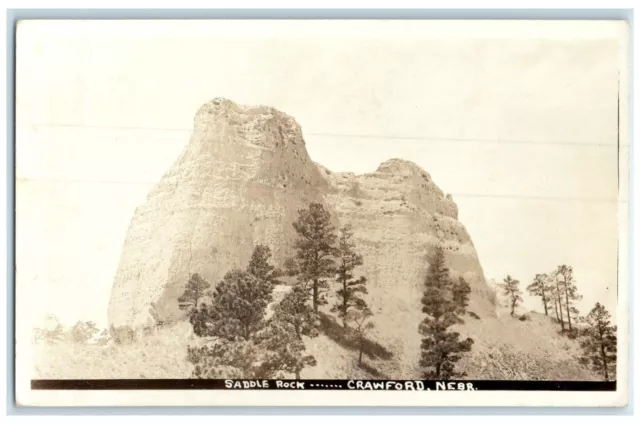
x=505 y=348
x=240 y=182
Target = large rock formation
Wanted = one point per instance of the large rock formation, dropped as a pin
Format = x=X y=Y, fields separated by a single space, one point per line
x=399 y=215
x=240 y=182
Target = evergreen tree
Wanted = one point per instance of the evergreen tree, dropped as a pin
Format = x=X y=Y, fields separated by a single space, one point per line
x=222 y=358
x=260 y=266
x=294 y=310
x=291 y=268
x=461 y=291
x=237 y=308
x=245 y=345
x=510 y=288
x=195 y=290
x=542 y=286
x=600 y=342
x=315 y=250
x=362 y=325
x=564 y=275
x=441 y=347
x=348 y=295
x=285 y=350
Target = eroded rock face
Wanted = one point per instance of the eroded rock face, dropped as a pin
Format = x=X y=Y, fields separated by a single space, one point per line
x=240 y=182
x=399 y=216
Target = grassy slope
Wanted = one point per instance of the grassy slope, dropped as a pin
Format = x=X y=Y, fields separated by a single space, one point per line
x=159 y=355
x=505 y=348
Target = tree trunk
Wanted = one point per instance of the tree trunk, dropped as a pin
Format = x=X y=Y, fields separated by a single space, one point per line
x=604 y=362
x=544 y=301
x=344 y=302
x=361 y=349
x=555 y=306
x=298 y=331
x=297 y=374
x=560 y=306
x=603 y=354
x=315 y=295
x=513 y=307
x=566 y=294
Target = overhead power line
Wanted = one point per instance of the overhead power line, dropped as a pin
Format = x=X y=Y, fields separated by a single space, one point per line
x=455 y=195
x=362 y=136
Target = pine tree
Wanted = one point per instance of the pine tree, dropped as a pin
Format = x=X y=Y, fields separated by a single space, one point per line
x=542 y=286
x=348 y=295
x=510 y=288
x=237 y=309
x=195 y=290
x=260 y=266
x=315 y=250
x=441 y=348
x=294 y=310
x=565 y=278
x=362 y=325
x=291 y=268
x=461 y=291
x=222 y=358
x=285 y=350
x=600 y=342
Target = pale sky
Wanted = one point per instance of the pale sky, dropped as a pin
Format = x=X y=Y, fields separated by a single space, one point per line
x=517 y=122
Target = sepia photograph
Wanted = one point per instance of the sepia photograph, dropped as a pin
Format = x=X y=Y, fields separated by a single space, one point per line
x=358 y=212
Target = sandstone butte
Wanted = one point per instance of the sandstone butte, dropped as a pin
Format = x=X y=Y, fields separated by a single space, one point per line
x=240 y=182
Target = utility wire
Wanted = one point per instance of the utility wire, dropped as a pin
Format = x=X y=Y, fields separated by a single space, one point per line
x=455 y=195
x=363 y=136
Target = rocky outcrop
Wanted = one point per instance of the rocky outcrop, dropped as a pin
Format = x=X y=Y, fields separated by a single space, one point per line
x=399 y=215
x=240 y=182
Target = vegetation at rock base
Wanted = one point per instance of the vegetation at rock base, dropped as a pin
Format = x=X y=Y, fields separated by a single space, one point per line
x=82 y=332
x=510 y=288
x=259 y=323
x=260 y=265
x=315 y=250
x=294 y=311
x=351 y=289
x=599 y=342
x=237 y=307
x=195 y=290
x=441 y=346
x=242 y=343
x=461 y=292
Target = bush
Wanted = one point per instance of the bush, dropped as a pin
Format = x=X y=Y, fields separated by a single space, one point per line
x=525 y=318
x=473 y=314
x=573 y=334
